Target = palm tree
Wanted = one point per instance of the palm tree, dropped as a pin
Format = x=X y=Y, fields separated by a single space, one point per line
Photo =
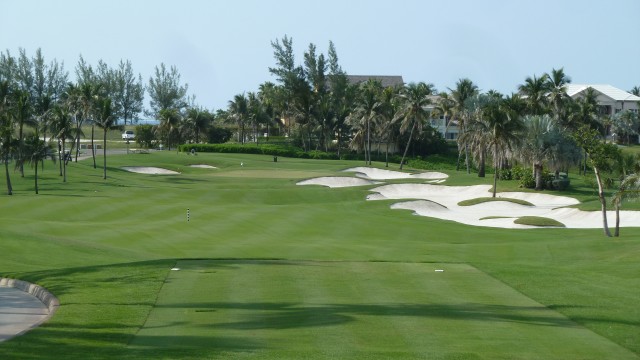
x=629 y=188
x=197 y=121
x=22 y=115
x=365 y=113
x=502 y=128
x=557 y=85
x=535 y=90
x=444 y=108
x=474 y=138
x=106 y=121
x=239 y=110
x=464 y=90
x=7 y=142
x=413 y=110
x=36 y=151
x=169 y=125
x=635 y=90
x=537 y=143
x=62 y=129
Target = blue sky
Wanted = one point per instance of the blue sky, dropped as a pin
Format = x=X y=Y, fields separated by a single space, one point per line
x=222 y=48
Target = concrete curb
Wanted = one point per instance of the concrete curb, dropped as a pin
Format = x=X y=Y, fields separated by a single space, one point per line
x=47 y=298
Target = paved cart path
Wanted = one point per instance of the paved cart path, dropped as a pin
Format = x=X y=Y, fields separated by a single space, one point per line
x=19 y=312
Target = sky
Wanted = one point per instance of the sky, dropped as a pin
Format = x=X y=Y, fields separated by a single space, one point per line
x=223 y=48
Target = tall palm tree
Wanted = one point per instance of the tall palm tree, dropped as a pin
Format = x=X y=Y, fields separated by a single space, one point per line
x=629 y=188
x=444 y=108
x=22 y=111
x=465 y=89
x=557 y=83
x=7 y=141
x=36 y=151
x=500 y=129
x=535 y=90
x=106 y=121
x=474 y=138
x=239 y=110
x=62 y=129
x=366 y=112
x=413 y=110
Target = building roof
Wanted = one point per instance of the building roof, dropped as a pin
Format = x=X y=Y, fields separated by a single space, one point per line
x=606 y=90
x=384 y=79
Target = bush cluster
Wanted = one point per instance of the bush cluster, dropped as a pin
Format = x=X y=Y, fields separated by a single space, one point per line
x=525 y=178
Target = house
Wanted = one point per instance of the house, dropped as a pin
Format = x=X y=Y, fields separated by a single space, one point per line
x=611 y=100
x=385 y=80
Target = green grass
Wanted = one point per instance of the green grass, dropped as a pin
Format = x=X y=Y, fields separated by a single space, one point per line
x=351 y=273
x=538 y=221
x=481 y=200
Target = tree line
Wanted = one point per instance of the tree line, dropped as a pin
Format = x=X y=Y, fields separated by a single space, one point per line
x=314 y=105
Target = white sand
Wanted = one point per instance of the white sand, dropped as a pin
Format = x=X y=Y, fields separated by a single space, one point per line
x=337 y=181
x=149 y=170
x=446 y=199
x=381 y=174
x=202 y=166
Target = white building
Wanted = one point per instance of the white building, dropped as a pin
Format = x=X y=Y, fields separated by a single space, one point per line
x=611 y=100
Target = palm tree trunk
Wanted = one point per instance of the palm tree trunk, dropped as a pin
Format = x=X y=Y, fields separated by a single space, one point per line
x=603 y=202
x=386 y=154
x=36 y=167
x=104 y=152
x=466 y=158
x=64 y=160
x=408 y=143
x=93 y=146
x=496 y=166
x=6 y=170
x=21 y=150
x=481 y=165
x=368 y=149
x=617 y=231
x=537 y=167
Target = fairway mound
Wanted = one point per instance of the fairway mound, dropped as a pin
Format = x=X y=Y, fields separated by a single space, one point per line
x=337 y=181
x=382 y=174
x=149 y=170
x=203 y=166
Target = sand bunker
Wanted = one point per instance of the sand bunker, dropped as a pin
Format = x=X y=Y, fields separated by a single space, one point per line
x=381 y=174
x=499 y=213
x=202 y=166
x=149 y=170
x=438 y=201
x=338 y=181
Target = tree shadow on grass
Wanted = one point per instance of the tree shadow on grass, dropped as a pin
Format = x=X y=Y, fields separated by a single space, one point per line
x=291 y=315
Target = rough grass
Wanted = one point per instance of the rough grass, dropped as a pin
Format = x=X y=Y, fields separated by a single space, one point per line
x=105 y=248
x=538 y=221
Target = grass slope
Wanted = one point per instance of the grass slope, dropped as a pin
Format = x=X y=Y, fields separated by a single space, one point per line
x=105 y=248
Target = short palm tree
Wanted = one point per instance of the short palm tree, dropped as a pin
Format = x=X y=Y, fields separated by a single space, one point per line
x=413 y=112
x=36 y=151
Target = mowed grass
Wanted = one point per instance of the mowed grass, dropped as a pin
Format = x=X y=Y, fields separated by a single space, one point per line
x=106 y=247
x=357 y=310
